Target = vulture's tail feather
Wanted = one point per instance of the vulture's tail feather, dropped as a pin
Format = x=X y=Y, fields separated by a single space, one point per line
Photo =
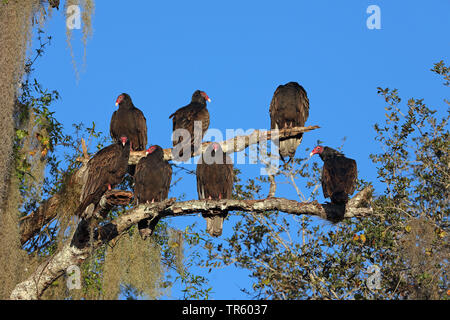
x=214 y=225
x=339 y=198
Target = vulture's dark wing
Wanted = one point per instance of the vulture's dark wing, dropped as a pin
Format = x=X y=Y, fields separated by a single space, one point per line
x=140 y=124
x=152 y=181
x=185 y=118
x=131 y=123
x=215 y=181
x=106 y=167
x=182 y=119
x=289 y=108
x=339 y=176
x=100 y=167
x=114 y=127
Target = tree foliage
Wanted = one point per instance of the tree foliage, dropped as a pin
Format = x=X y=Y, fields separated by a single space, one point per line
x=405 y=243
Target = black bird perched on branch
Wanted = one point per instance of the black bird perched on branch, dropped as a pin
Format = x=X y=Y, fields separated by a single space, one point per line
x=215 y=178
x=105 y=169
x=130 y=122
x=339 y=175
x=289 y=108
x=186 y=118
x=152 y=183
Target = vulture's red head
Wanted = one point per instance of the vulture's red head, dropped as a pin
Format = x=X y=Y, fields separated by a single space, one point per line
x=204 y=95
x=316 y=150
x=122 y=98
x=150 y=150
x=200 y=96
x=124 y=140
x=214 y=148
x=156 y=151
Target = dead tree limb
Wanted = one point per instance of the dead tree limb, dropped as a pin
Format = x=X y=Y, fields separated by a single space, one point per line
x=237 y=143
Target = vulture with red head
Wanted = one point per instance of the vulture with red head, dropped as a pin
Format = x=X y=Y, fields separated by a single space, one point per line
x=187 y=117
x=130 y=122
x=105 y=170
x=339 y=175
x=289 y=108
x=215 y=177
x=151 y=183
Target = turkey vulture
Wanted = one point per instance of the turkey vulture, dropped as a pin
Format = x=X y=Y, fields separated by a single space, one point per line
x=130 y=122
x=214 y=181
x=152 y=183
x=289 y=108
x=185 y=118
x=339 y=175
x=104 y=170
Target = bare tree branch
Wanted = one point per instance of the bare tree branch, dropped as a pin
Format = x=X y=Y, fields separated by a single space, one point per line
x=81 y=246
x=235 y=144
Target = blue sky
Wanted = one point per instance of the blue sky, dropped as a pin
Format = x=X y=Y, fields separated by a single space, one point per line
x=238 y=53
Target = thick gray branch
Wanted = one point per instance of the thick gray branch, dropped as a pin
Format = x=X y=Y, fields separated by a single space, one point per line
x=237 y=143
x=81 y=247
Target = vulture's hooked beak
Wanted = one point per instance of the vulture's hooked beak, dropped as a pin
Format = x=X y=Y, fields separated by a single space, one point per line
x=205 y=96
x=117 y=104
x=311 y=154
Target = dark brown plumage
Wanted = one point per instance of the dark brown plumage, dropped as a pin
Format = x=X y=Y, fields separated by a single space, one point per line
x=214 y=181
x=289 y=108
x=130 y=122
x=152 y=184
x=105 y=170
x=339 y=175
x=185 y=118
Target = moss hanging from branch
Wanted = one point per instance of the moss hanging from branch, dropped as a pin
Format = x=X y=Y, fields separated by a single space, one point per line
x=16 y=19
x=86 y=9
x=135 y=262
